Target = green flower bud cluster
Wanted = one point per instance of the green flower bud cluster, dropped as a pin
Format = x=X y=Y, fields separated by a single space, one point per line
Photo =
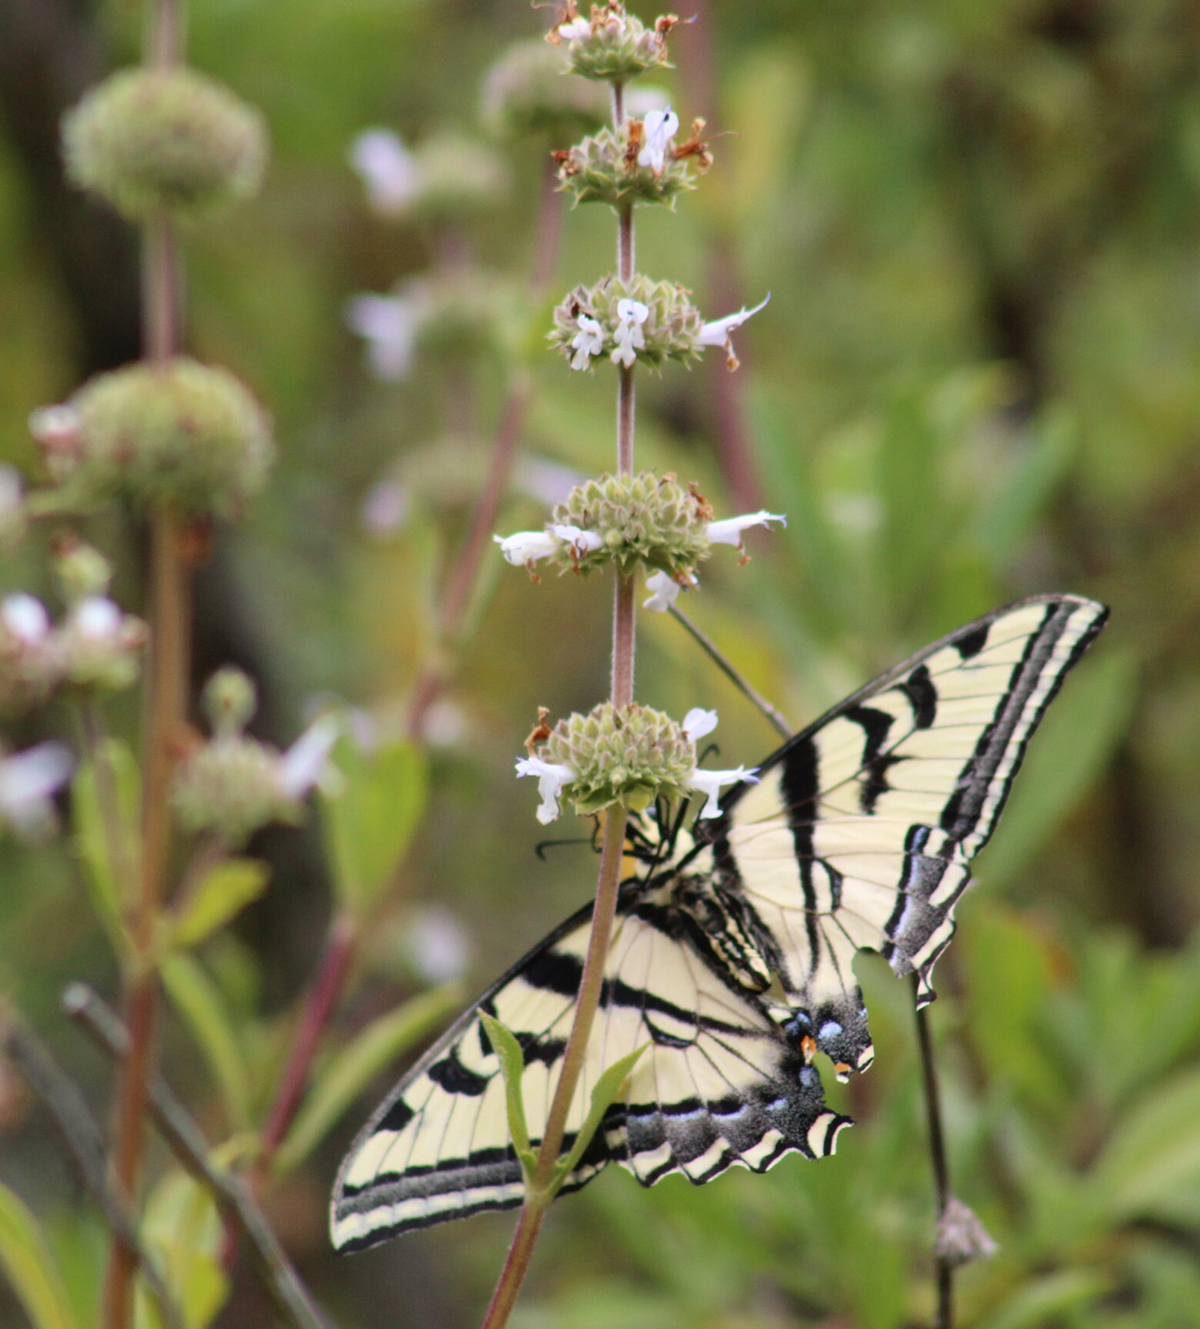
x=612 y=44
x=185 y=433
x=529 y=92
x=459 y=315
x=95 y=646
x=604 y=168
x=165 y=140
x=671 y=329
x=457 y=179
x=628 y=755
x=230 y=786
x=641 y=519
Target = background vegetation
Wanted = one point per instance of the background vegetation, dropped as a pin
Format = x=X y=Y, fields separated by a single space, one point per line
x=977 y=378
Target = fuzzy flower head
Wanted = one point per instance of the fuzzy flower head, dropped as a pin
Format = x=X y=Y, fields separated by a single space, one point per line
x=233 y=785
x=629 y=755
x=610 y=43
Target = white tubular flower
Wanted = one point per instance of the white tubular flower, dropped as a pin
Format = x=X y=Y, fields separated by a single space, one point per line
x=28 y=781
x=720 y=331
x=709 y=783
x=698 y=722
x=526 y=547
x=658 y=129
x=388 y=324
x=729 y=531
x=551 y=778
x=581 y=541
x=664 y=592
x=588 y=341
x=387 y=168
x=97 y=618
x=305 y=764
x=573 y=29
x=24 y=618
x=629 y=337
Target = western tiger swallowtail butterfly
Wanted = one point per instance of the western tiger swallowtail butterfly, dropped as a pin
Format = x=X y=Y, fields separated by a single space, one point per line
x=732 y=950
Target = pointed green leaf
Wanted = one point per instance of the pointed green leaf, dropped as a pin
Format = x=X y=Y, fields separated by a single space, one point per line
x=1044 y=1300
x=183 y=1228
x=220 y=896
x=31 y=1271
x=195 y=996
x=512 y=1067
x=608 y=1086
x=94 y=841
x=372 y=819
x=345 y=1076
x=1022 y=498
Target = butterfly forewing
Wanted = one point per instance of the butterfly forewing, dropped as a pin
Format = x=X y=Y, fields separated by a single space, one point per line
x=858 y=835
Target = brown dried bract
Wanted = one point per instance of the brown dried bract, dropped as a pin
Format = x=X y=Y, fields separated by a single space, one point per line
x=540 y=731
x=637 y=134
x=703 y=507
x=695 y=147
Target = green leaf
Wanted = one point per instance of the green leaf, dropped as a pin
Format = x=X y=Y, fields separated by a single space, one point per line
x=93 y=840
x=608 y=1086
x=1038 y=1303
x=371 y=821
x=356 y=1065
x=1006 y=520
x=197 y=999
x=1070 y=750
x=512 y=1067
x=1151 y=1164
x=30 y=1269
x=219 y=896
x=183 y=1226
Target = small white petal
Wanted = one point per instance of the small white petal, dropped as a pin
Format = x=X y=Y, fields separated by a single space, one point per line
x=632 y=311
x=55 y=426
x=385 y=508
x=437 y=946
x=658 y=129
x=526 y=547
x=551 y=778
x=664 y=592
x=27 y=781
x=11 y=488
x=572 y=31
x=304 y=764
x=588 y=341
x=97 y=618
x=698 y=722
x=581 y=541
x=387 y=168
x=709 y=783
x=717 y=332
x=729 y=531
x=388 y=323
x=25 y=618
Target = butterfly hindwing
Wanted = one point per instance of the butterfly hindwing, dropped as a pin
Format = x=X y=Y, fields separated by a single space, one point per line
x=716 y=1086
x=732 y=951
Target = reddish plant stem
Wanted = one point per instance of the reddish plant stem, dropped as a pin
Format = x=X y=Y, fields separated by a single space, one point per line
x=166 y=705
x=339 y=954
x=538 y=1194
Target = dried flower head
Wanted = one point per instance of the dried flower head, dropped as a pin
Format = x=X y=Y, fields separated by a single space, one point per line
x=610 y=43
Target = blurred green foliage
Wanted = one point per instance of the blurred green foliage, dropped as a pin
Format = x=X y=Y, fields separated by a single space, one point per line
x=977 y=378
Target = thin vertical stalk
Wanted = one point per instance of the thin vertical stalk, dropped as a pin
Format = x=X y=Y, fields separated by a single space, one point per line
x=538 y=1194
x=944 y=1269
x=166 y=697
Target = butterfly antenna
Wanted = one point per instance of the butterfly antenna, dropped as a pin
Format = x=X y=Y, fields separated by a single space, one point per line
x=542 y=845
